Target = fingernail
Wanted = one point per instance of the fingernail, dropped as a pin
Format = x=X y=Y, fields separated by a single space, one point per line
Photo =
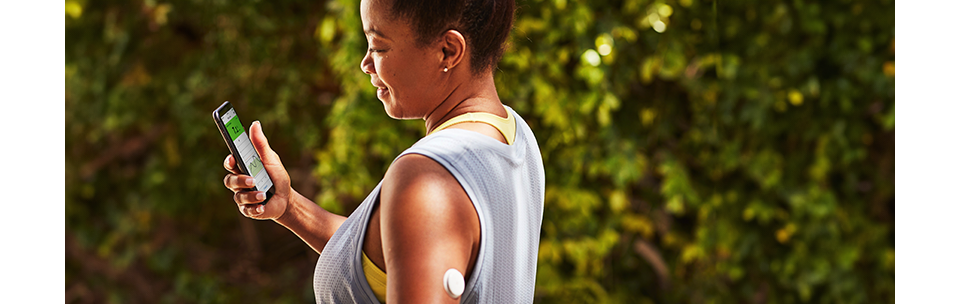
x=249 y=182
x=259 y=209
x=261 y=196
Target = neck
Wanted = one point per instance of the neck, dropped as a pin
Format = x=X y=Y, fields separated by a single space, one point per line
x=473 y=95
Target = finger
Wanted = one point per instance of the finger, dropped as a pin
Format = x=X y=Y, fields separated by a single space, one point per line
x=249 y=198
x=237 y=182
x=259 y=140
x=230 y=164
x=251 y=211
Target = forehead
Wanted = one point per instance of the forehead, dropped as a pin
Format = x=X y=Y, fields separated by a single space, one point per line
x=376 y=19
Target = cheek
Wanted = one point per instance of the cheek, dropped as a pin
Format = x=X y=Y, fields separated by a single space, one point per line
x=387 y=68
x=395 y=71
x=405 y=72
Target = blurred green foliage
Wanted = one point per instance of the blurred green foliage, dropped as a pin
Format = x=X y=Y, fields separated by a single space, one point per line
x=695 y=151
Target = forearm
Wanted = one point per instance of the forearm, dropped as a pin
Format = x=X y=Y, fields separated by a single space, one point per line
x=310 y=222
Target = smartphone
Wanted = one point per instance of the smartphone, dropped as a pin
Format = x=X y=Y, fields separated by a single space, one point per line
x=235 y=135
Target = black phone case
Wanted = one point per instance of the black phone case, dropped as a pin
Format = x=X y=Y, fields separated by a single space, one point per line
x=226 y=106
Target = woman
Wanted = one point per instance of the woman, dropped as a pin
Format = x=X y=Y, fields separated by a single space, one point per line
x=468 y=196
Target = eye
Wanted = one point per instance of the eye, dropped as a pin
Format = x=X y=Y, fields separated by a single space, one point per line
x=376 y=50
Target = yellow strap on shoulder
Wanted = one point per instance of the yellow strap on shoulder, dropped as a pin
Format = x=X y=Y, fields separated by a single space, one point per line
x=506 y=126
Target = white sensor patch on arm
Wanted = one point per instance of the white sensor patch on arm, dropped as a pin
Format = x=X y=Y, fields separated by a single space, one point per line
x=453 y=283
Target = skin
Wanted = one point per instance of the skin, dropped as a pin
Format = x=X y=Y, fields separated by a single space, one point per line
x=425 y=223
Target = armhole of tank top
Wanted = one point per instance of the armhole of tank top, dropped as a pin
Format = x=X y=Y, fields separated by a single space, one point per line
x=360 y=274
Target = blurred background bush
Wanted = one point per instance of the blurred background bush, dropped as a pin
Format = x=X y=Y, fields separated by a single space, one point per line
x=735 y=151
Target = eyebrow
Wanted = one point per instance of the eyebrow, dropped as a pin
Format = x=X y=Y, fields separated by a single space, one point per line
x=374 y=32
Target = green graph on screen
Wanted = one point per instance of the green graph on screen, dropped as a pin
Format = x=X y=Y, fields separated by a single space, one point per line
x=255 y=166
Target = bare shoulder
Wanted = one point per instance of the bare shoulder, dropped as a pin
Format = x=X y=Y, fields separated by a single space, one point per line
x=419 y=170
x=428 y=225
x=421 y=183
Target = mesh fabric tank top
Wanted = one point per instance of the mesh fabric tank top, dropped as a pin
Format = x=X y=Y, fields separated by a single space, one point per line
x=505 y=183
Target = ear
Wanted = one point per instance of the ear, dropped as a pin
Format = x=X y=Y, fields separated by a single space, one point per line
x=454 y=48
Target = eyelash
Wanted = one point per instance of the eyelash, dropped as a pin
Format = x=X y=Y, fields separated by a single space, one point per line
x=376 y=51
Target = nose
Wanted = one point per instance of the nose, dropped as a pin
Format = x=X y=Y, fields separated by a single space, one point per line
x=366 y=65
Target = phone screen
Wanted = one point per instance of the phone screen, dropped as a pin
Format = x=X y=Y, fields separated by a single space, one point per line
x=248 y=154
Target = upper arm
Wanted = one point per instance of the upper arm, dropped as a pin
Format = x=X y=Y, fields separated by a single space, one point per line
x=428 y=225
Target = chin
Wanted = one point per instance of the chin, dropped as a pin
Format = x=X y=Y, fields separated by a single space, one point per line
x=392 y=111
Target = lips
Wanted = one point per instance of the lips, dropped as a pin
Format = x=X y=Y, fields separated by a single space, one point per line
x=381 y=89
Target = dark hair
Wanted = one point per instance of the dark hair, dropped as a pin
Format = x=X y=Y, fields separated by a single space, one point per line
x=485 y=24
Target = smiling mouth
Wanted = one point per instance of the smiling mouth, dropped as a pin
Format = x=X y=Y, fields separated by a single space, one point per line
x=381 y=92
x=381 y=89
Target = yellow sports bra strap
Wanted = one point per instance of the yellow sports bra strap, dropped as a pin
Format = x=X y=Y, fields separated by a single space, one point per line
x=376 y=278
x=506 y=126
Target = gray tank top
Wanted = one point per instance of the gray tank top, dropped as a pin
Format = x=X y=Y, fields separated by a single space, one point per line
x=505 y=184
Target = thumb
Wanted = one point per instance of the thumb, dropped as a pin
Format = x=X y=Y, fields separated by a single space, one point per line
x=259 y=140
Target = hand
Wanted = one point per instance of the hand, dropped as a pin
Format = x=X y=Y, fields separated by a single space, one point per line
x=248 y=201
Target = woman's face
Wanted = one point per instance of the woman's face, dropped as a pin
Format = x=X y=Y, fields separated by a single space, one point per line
x=406 y=76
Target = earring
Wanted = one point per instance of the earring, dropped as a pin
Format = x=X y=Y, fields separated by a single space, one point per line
x=445 y=69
